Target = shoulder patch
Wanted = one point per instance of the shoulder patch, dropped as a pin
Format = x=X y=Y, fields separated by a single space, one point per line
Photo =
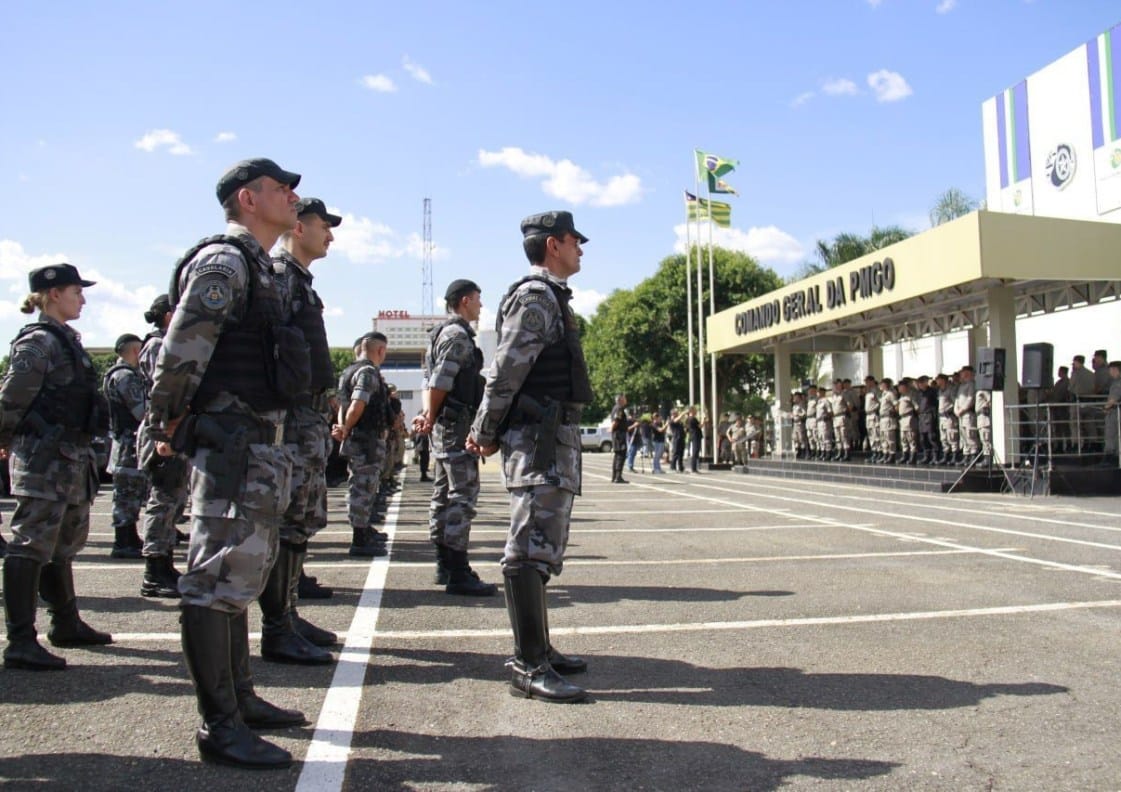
x=214 y=294
x=215 y=266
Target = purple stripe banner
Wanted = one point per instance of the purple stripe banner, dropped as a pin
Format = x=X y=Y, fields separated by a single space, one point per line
x=1001 y=140
x=1022 y=168
x=1093 y=66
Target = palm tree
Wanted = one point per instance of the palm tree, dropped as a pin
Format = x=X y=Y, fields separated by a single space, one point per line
x=950 y=205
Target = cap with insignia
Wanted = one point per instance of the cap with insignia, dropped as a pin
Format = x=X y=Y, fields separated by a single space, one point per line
x=554 y=223
x=56 y=275
x=125 y=340
x=461 y=287
x=306 y=206
x=247 y=170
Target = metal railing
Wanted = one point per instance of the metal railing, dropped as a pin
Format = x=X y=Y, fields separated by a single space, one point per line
x=1075 y=432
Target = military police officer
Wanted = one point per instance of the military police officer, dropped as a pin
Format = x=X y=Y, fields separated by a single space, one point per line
x=531 y=406
x=127 y=394
x=965 y=410
x=49 y=410
x=453 y=366
x=223 y=402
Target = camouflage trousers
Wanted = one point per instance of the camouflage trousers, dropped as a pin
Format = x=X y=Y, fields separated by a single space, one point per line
x=811 y=434
x=309 y=441
x=841 y=431
x=539 y=519
x=1111 y=440
x=872 y=425
x=234 y=539
x=48 y=530
x=167 y=496
x=908 y=434
x=888 y=429
x=799 y=435
x=130 y=491
x=825 y=434
x=968 y=427
x=948 y=432
x=985 y=434
x=364 y=462
x=453 y=499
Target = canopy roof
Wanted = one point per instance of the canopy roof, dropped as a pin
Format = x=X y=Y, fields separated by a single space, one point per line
x=933 y=283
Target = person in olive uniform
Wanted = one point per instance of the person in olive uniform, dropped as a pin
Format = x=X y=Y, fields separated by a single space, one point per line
x=453 y=366
x=50 y=408
x=535 y=392
x=223 y=403
x=127 y=394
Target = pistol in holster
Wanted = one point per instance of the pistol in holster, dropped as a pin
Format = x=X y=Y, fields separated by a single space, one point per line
x=547 y=417
x=227 y=439
x=46 y=449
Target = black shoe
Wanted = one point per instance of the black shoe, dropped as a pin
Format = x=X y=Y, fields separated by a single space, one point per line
x=280 y=642
x=255 y=711
x=462 y=579
x=316 y=636
x=223 y=738
x=531 y=675
x=426 y=478
x=161 y=579
x=363 y=546
x=21 y=592
x=126 y=543
x=309 y=588
x=56 y=587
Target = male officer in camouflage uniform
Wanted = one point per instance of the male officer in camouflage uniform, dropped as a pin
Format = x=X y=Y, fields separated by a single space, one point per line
x=362 y=429
x=1112 y=409
x=124 y=388
x=889 y=421
x=872 y=418
x=168 y=475
x=536 y=390
x=285 y=636
x=223 y=402
x=928 y=421
x=840 y=405
x=453 y=367
x=813 y=436
x=983 y=402
x=798 y=425
x=947 y=422
x=907 y=408
x=966 y=414
x=825 y=425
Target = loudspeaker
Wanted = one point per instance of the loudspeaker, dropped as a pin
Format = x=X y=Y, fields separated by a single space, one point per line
x=1038 y=365
x=990 y=369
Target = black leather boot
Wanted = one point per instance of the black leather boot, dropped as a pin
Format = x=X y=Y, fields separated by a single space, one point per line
x=314 y=635
x=363 y=546
x=308 y=587
x=56 y=587
x=442 y=575
x=21 y=594
x=462 y=579
x=223 y=737
x=255 y=711
x=562 y=664
x=280 y=643
x=126 y=542
x=531 y=675
x=161 y=579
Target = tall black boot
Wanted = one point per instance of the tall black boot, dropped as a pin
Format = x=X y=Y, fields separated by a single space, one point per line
x=126 y=542
x=442 y=575
x=223 y=737
x=562 y=664
x=161 y=578
x=21 y=594
x=314 y=635
x=280 y=643
x=531 y=675
x=56 y=587
x=462 y=579
x=255 y=711
x=362 y=545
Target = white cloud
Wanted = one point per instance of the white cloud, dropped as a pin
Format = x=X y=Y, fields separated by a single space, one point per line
x=946 y=6
x=888 y=86
x=334 y=311
x=225 y=137
x=379 y=83
x=801 y=99
x=163 y=138
x=874 y=3
x=419 y=73
x=565 y=179
x=839 y=87
x=366 y=241
x=770 y=245
x=585 y=301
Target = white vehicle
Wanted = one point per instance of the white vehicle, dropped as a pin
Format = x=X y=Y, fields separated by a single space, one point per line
x=595 y=438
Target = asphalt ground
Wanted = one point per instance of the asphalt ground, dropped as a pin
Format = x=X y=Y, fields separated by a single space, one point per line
x=742 y=633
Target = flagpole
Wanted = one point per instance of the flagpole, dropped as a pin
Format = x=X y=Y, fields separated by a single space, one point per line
x=689 y=294
x=700 y=298
x=712 y=312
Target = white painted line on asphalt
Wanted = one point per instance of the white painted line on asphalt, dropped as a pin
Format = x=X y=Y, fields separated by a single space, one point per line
x=808 y=621
x=324 y=767
x=678 y=530
x=93 y=566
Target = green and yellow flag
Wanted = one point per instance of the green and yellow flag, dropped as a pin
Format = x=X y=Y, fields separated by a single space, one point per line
x=710 y=166
x=701 y=209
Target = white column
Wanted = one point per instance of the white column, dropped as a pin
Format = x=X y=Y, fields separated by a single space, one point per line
x=876 y=363
x=1002 y=335
x=783 y=390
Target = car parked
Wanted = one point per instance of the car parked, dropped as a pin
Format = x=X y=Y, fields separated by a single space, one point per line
x=595 y=438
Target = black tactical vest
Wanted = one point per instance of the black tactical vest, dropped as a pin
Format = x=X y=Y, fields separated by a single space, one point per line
x=374 y=416
x=468 y=384
x=71 y=405
x=560 y=371
x=244 y=350
x=121 y=418
x=309 y=319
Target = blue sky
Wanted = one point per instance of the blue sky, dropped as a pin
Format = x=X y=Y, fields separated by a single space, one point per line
x=117 y=118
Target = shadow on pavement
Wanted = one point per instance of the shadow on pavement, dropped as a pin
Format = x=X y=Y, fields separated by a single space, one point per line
x=585 y=763
x=562 y=596
x=86 y=681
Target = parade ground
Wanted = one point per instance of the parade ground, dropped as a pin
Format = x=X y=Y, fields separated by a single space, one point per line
x=742 y=633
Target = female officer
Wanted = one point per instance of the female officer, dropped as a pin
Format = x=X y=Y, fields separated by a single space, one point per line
x=49 y=409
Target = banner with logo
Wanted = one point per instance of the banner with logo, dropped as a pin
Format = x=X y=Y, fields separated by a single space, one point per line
x=1008 y=151
x=1103 y=68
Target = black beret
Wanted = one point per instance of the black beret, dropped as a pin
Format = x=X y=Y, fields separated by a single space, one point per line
x=554 y=223
x=161 y=305
x=461 y=287
x=56 y=275
x=247 y=170
x=315 y=206
x=125 y=339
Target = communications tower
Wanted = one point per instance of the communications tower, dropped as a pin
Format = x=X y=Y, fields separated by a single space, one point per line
x=426 y=295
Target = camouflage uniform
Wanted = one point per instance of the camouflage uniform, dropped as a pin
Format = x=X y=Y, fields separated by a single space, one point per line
x=908 y=424
x=126 y=391
x=947 y=421
x=235 y=513
x=813 y=438
x=824 y=425
x=798 y=421
x=456 y=488
x=839 y=406
x=872 y=420
x=967 y=418
x=365 y=451
x=984 y=407
x=889 y=422
x=169 y=476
